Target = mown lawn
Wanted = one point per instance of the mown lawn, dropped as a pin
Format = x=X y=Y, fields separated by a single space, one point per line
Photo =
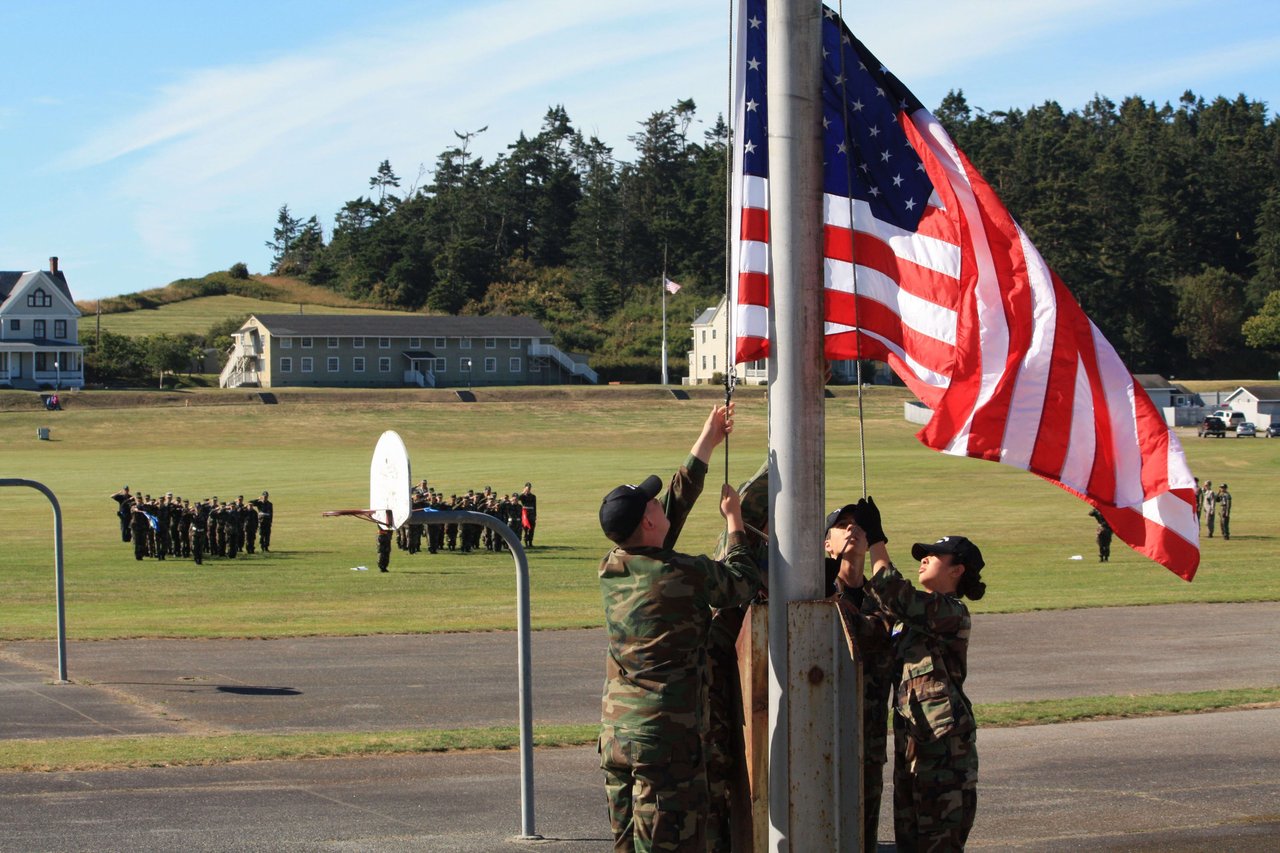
x=314 y=456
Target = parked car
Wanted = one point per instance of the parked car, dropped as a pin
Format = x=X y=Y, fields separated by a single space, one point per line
x=1246 y=429
x=1212 y=426
x=1273 y=430
x=1230 y=417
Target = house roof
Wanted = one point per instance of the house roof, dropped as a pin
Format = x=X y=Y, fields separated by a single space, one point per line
x=9 y=280
x=706 y=316
x=401 y=326
x=1151 y=381
x=1263 y=393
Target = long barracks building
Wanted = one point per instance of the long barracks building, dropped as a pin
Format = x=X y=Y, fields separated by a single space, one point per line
x=367 y=351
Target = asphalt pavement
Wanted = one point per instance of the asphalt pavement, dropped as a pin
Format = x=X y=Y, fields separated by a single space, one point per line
x=1201 y=782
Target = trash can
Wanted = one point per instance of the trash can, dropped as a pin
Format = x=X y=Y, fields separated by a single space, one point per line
x=42 y=433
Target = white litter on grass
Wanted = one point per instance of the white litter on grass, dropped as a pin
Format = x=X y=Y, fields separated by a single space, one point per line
x=1076 y=557
x=359 y=568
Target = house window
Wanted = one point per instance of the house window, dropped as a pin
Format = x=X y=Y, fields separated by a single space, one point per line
x=39 y=299
x=464 y=343
x=37 y=329
x=515 y=343
x=464 y=365
x=286 y=365
x=713 y=334
x=490 y=365
x=357 y=343
x=384 y=343
x=332 y=364
x=60 y=329
x=490 y=343
x=307 y=363
x=306 y=343
x=331 y=343
x=713 y=362
x=441 y=343
x=513 y=364
x=15 y=325
x=384 y=365
x=704 y=362
x=285 y=343
x=415 y=343
x=357 y=364
x=441 y=366
x=704 y=336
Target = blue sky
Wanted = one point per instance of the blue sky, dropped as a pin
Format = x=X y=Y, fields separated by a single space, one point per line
x=149 y=141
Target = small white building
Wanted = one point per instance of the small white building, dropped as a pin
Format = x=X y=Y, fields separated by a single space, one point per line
x=39 y=331
x=1260 y=403
x=709 y=355
x=712 y=351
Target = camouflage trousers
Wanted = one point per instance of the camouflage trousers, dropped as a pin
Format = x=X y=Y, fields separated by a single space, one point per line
x=657 y=790
x=935 y=790
x=875 y=739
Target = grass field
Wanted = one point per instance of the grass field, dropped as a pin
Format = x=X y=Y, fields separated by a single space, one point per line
x=314 y=455
x=197 y=315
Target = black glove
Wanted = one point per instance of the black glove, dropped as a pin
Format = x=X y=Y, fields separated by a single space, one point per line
x=867 y=516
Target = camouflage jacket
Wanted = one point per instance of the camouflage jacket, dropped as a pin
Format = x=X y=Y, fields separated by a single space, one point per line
x=931 y=644
x=657 y=606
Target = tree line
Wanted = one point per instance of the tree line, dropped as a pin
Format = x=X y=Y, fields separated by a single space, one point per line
x=1163 y=220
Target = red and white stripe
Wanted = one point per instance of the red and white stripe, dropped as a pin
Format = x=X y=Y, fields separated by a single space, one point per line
x=968 y=314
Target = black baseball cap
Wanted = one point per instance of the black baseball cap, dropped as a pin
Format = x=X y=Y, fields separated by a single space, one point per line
x=834 y=515
x=959 y=547
x=622 y=509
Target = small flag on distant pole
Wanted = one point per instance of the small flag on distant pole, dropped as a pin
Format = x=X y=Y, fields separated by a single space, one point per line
x=670 y=285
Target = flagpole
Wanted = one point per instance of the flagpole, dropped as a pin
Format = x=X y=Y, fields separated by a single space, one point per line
x=662 y=284
x=814 y=717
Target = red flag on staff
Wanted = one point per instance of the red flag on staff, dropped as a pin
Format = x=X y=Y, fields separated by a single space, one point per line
x=926 y=270
x=670 y=285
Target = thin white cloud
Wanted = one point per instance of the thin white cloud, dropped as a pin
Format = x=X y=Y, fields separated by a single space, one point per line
x=1223 y=62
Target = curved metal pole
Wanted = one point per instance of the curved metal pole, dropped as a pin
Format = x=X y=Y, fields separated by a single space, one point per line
x=57 y=562
x=524 y=665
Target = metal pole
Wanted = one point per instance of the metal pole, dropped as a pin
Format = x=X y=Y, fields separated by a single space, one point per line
x=524 y=664
x=57 y=569
x=796 y=425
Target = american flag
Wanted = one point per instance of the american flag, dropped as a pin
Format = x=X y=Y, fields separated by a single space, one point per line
x=944 y=286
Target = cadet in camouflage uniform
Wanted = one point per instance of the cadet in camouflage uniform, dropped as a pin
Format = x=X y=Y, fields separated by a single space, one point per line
x=264 y=508
x=935 y=774
x=657 y=606
x=846 y=548
x=249 y=525
x=1224 y=510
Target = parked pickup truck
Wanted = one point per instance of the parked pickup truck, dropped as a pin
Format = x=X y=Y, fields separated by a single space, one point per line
x=1212 y=426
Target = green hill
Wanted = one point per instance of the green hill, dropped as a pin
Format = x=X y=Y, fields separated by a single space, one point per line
x=198 y=314
x=193 y=305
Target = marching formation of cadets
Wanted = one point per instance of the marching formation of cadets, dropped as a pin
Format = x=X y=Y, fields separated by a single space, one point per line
x=170 y=526
x=519 y=511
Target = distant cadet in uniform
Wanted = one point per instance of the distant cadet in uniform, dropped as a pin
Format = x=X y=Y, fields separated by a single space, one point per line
x=935 y=774
x=529 y=503
x=1103 y=536
x=451 y=529
x=657 y=605
x=249 y=523
x=139 y=528
x=1224 y=510
x=1210 y=505
x=264 y=508
x=124 y=510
